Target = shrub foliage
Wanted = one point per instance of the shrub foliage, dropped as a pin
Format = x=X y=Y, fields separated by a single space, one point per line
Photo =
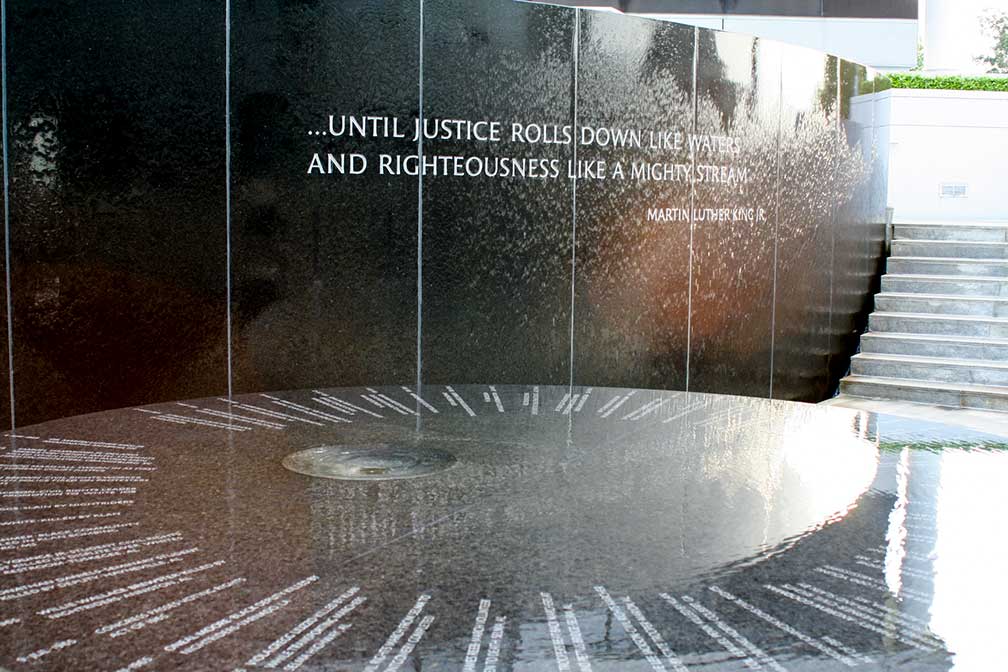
x=951 y=83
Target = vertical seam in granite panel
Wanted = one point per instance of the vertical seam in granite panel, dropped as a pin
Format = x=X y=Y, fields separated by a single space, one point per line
x=776 y=227
x=7 y=233
x=577 y=49
x=833 y=226
x=420 y=173
x=689 y=288
x=227 y=180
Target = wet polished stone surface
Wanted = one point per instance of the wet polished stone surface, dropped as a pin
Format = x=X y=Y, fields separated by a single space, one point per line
x=370 y=462
x=579 y=529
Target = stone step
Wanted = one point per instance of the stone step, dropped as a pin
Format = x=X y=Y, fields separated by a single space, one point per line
x=985 y=397
x=990 y=232
x=947 y=325
x=945 y=266
x=945 y=284
x=943 y=304
x=949 y=248
x=933 y=369
x=952 y=347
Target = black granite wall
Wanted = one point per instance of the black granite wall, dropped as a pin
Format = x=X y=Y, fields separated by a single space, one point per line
x=117 y=203
x=127 y=268
x=831 y=9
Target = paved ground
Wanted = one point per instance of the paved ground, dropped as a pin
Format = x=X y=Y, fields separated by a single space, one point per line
x=991 y=422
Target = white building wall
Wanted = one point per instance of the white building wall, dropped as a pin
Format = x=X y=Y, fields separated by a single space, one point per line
x=928 y=139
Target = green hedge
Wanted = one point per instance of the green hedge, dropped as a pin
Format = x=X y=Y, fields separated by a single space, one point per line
x=955 y=83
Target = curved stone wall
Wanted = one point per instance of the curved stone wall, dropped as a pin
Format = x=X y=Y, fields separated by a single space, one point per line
x=126 y=265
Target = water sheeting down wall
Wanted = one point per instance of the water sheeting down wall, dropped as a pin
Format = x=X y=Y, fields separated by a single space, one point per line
x=126 y=266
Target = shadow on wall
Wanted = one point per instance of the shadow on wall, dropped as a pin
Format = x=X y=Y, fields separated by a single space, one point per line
x=117 y=204
x=146 y=347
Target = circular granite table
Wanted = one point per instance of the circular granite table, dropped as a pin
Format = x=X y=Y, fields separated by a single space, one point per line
x=555 y=529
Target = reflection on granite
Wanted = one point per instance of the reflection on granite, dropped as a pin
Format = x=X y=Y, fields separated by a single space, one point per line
x=497 y=251
x=580 y=528
x=631 y=298
x=117 y=240
x=805 y=231
x=738 y=95
x=320 y=267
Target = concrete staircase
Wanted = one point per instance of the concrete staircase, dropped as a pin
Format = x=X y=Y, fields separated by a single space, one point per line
x=939 y=333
